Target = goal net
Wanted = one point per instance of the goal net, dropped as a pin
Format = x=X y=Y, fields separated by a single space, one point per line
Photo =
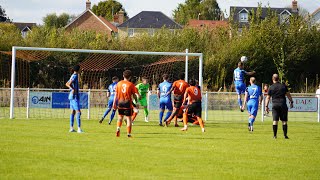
x=32 y=84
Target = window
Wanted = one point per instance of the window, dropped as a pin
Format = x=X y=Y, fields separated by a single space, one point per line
x=24 y=34
x=151 y=32
x=243 y=17
x=130 y=32
x=284 y=16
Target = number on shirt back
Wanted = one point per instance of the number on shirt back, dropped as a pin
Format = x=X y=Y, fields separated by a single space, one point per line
x=237 y=75
x=164 y=88
x=124 y=88
x=195 y=91
x=181 y=86
x=254 y=94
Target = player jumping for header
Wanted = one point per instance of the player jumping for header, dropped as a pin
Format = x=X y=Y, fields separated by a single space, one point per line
x=165 y=99
x=253 y=96
x=143 y=89
x=125 y=90
x=74 y=97
x=110 y=94
x=238 y=76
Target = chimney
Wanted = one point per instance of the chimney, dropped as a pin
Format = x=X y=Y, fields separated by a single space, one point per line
x=294 y=6
x=88 y=5
x=121 y=16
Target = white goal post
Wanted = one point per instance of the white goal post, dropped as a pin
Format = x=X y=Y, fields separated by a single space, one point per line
x=16 y=48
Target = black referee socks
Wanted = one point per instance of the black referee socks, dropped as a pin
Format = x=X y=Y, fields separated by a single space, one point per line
x=275 y=129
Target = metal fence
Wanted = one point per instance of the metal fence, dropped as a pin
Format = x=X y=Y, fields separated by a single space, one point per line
x=216 y=106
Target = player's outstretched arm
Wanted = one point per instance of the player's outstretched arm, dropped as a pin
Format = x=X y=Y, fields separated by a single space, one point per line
x=251 y=73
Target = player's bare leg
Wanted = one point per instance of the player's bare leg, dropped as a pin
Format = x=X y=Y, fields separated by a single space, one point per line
x=174 y=113
x=129 y=126
x=119 y=124
x=176 y=121
x=185 y=122
x=201 y=123
x=135 y=113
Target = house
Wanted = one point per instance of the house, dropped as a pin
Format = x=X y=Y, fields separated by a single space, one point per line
x=24 y=28
x=315 y=17
x=241 y=15
x=147 y=22
x=206 y=24
x=88 y=21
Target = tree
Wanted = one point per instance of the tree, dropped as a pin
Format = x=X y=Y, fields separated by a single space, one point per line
x=3 y=15
x=108 y=8
x=197 y=9
x=53 y=20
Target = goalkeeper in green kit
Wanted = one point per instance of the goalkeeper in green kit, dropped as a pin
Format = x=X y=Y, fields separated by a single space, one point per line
x=143 y=89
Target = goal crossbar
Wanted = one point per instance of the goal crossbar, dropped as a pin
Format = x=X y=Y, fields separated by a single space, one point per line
x=15 y=48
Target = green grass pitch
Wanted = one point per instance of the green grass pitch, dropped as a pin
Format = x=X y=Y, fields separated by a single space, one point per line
x=44 y=149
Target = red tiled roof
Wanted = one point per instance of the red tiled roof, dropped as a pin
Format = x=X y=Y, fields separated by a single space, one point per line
x=109 y=24
x=193 y=23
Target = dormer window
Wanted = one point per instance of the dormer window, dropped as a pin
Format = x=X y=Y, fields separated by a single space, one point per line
x=244 y=15
x=284 y=16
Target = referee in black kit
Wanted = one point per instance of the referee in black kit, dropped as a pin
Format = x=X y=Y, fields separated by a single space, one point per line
x=278 y=92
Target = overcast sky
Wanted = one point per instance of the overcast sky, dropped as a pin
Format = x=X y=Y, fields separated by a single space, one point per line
x=35 y=10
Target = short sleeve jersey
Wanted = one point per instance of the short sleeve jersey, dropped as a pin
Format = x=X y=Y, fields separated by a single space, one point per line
x=194 y=94
x=239 y=75
x=278 y=93
x=254 y=92
x=164 y=88
x=180 y=87
x=112 y=89
x=124 y=91
x=143 y=89
x=75 y=84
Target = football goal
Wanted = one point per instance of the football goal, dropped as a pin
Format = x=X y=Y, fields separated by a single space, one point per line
x=36 y=75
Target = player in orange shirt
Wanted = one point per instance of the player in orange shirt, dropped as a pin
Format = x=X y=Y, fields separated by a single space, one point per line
x=179 y=87
x=193 y=94
x=125 y=90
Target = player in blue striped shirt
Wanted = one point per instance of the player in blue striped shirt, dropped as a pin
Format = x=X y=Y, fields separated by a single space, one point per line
x=253 y=97
x=74 y=97
x=110 y=94
x=165 y=98
x=238 y=76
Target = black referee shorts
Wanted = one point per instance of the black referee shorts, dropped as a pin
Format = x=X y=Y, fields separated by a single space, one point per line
x=280 y=111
